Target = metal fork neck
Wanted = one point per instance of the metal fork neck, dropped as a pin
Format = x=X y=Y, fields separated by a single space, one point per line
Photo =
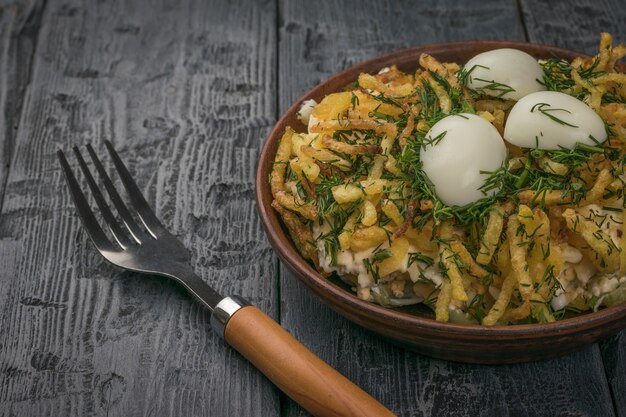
x=224 y=310
x=198 y=288
x=221 y=308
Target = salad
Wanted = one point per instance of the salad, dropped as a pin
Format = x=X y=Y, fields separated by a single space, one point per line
x=491 y=192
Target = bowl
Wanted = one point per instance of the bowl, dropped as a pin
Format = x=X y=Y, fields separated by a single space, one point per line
x=416 y=329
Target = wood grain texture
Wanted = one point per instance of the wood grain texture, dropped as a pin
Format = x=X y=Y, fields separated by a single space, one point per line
x=19 y=24
x=577 y=25
x=318 y=40
x=185 y=90
x=574 y=24
x=614 y=357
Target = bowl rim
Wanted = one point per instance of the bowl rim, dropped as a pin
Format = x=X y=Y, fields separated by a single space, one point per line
x=283 y=246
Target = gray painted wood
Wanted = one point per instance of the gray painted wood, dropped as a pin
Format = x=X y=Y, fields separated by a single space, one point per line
x=317 y=40
x=574 y=24
x=186 y=92
x=614 y=358
x=577 y=25
x=19 y=24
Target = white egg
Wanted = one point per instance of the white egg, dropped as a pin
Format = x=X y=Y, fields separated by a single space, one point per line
x=552 y=120
x=456 y=150
x=506 y=73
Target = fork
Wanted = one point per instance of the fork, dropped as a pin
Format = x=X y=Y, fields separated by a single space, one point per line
x=147 y=247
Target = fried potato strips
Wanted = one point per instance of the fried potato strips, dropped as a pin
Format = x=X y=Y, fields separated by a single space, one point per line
x=399 y=249
x=442 y=312
x=371 y=82
x=597 y=191
x=499 y=307
x=408 y=219
x=608 y=257
x=277 y=179
x=472 y=267
x=299 y=232
x=518 y=313
x=545 y=197
x=342 y=147
x=552 y=167
x=517 y=248
x=410 y=125
x=446 y=72
x=391 y=210
x=491 y=238
x=347 y=193
x=345 y=237
x=369 y=216
x=546 y=238
x=454 y=274
x=283 y=154
x=367 y=237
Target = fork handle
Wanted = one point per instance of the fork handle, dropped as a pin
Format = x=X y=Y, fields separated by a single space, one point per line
x=297 y=371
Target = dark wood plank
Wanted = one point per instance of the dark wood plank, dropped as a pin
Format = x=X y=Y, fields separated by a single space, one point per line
x=19 y=25
x=186 y=91
x=317 y=40
x=577 y=25
x=574 y=24
x=614 y=357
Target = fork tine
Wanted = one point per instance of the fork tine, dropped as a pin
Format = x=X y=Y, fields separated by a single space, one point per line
x=120 y=206
x=116 y=230
x=95 y=232
x=140 y=204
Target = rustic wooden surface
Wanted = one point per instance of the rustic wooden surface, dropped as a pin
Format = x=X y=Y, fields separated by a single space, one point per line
x=187 y=91
x=19 y=25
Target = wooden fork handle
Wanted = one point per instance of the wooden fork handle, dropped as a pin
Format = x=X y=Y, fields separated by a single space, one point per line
x=294 y=369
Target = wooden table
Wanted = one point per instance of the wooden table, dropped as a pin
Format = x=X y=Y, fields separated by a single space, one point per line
x=187 y=91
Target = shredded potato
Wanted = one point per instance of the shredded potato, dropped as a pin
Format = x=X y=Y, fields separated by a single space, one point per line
x=367 y=237
x=442 y=309
x=391 y=210
x=347 y=193
x=399 y=249
x=552 y=167
x=597 y=191
x=546 y=197
x=369 y=217
x=544 y=240
x=277 y=179
x=410 y=125
x=491 y=238
x=472 y=267
x=370 y=82
x=608 y=257
x=499 y=307
x=451 y=268
x=517 y=247
x=343 y=147
x=518 y=313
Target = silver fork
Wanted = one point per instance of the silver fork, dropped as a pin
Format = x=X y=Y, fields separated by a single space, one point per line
x=147 y=247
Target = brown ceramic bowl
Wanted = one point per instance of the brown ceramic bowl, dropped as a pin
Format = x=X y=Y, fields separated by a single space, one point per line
x=416 y=328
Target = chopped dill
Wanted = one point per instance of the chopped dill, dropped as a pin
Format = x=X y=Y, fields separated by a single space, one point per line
x=544 y=108
x=388 y=186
